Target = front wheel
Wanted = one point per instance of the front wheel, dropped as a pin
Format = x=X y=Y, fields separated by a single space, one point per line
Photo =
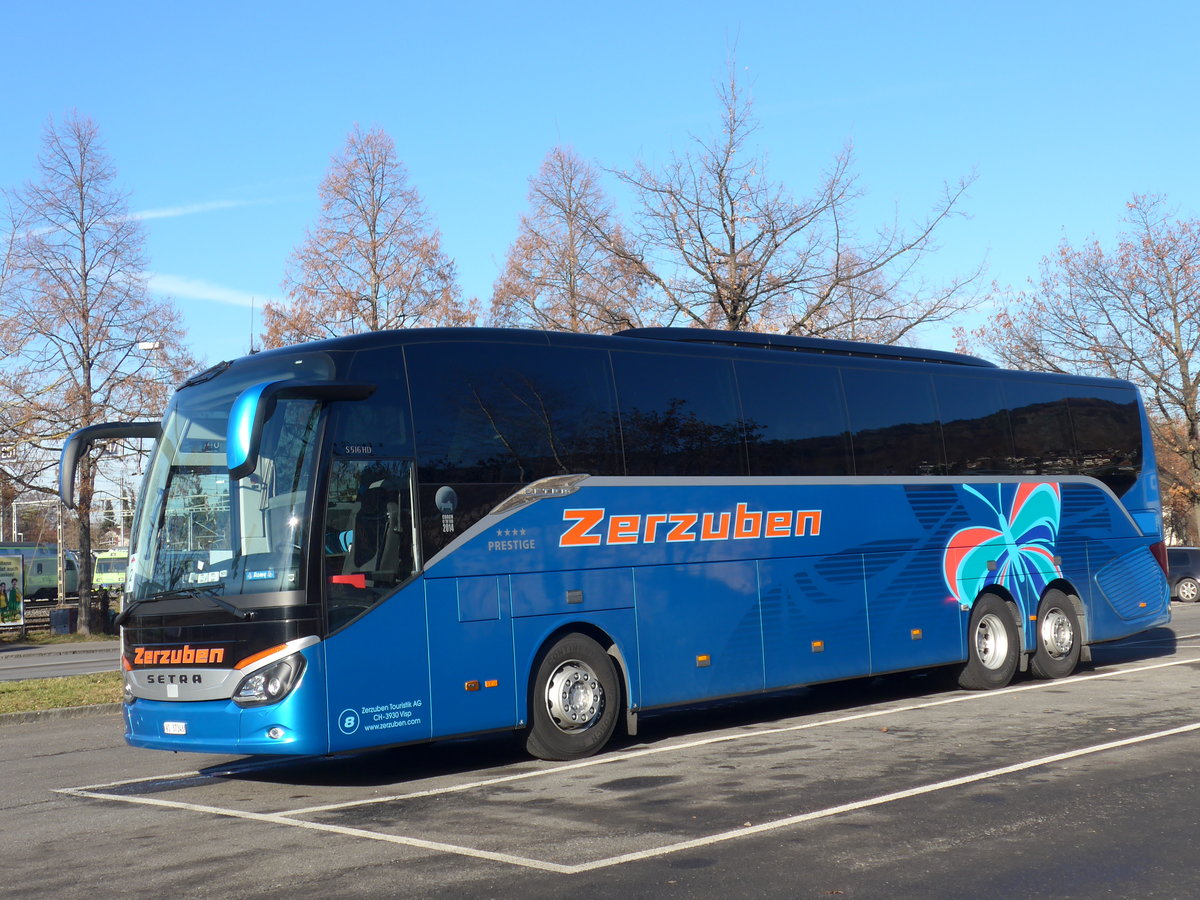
x=574 y=700
x=1188 y=590
x=1057 y=652
x=993 y=646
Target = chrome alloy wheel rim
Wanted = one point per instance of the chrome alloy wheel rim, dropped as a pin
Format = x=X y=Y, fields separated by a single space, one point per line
x=991 y=642
x=1188 y=591
x=574 y=697
x=1058 y=637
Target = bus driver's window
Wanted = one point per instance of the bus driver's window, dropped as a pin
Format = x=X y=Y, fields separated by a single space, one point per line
x=368 y=534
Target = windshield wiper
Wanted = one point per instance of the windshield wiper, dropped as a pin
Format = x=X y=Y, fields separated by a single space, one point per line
x=191 y=593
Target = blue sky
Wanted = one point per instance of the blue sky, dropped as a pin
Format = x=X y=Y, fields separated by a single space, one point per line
x=221 y=117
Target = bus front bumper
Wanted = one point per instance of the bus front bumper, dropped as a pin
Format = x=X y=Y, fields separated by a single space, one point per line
x=221 y=726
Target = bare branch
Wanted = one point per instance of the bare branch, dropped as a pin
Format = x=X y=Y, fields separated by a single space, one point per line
x=372 y=261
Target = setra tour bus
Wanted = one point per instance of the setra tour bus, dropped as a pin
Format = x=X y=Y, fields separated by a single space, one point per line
x=404 y=536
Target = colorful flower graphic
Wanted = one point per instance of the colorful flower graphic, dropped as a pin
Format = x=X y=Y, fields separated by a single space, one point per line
x=1020 y=544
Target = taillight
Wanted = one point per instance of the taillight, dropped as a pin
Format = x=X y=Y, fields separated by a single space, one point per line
x=1160 y=553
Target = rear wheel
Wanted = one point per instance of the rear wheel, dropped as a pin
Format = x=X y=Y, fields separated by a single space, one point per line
x=993 y=646
x=1188 y=590
x=574 y=700
x=1058 y=637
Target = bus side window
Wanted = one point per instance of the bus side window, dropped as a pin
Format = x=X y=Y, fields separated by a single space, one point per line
x=1108 y=435
x=895 y=426
x=1043 y=442
x=679 y=415
x=974 y=426
x=489 y=418
x=794 y=417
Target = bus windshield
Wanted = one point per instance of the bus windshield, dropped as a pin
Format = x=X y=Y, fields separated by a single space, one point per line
x=197 y=529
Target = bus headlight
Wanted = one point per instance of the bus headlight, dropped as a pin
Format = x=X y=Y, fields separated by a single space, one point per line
x=271 y=684
x=127 y=692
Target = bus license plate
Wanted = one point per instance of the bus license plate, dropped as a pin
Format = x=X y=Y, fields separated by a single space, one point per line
x=174 y=727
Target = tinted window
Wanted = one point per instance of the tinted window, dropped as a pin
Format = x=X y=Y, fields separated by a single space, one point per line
x=974 y=425
x=511 y=413
x=378 y=426
x=1108 y=435
x=894 y=423
x=1043 y=443
x=369 y=516
x=794 y=419
x=679 y=415
x=490 y=417
x=368 y=534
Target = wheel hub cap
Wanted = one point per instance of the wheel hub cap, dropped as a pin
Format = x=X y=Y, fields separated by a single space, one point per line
x=574 y=697
x=1058 y=637
x=991 y=642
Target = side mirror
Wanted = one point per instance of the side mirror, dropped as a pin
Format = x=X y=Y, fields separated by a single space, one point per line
x=81 y=441
x=255 y=405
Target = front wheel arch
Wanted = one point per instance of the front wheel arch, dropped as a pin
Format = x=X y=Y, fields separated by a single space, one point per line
x=599 y=655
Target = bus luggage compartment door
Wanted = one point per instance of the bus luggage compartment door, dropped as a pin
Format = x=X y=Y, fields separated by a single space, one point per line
x=471 y=654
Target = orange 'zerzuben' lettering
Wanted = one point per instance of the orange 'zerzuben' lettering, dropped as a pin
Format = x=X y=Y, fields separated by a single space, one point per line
x=746 y=524
x=652 y=523
x=624 y=529
x=682 y=525
x=714 y=532
x=595 y=528
x=805 y=519
x=178 y=656
x=779 y=524
x=577 y=535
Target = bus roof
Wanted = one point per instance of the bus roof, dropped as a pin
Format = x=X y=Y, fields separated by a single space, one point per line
x=694 y=339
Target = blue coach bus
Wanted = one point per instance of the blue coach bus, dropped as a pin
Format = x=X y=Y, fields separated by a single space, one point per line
x=404 y=536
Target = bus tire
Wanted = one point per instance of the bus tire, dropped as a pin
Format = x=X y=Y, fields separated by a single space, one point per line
x=1057 y=649
x=993 y=646
x=575 y=700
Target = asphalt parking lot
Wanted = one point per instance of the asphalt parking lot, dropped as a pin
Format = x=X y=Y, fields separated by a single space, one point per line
x=886 y=787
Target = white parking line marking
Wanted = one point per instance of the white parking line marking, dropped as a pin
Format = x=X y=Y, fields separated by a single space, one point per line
x=878 y=801
x=748 y=831
x=277 y=819
x=290 y=817
x=725 y=739
x=631 y=754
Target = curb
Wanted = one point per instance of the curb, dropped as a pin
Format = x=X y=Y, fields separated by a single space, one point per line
x=66 y=712
x=61 y=649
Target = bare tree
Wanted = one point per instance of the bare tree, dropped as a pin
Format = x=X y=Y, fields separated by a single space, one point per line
x=74 y=308
x=557 y=275
x=1132 y=312
x=373 y=260
x=726 y=247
